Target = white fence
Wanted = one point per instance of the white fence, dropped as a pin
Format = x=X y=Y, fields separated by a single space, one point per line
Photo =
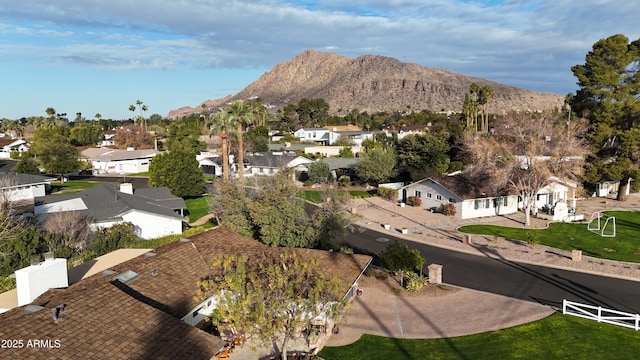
x=601 y=314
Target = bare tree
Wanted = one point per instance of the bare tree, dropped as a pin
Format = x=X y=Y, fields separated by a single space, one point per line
x=525 y=153
x=72 y=227
x=9 y=203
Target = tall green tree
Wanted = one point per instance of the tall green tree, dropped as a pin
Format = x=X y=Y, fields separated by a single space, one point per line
x=270 y=298
x=313 y=112
x=377 y=165
x=319 y=172
x=279 y=214
x=609 y=96
x=184 y=134
x=223 y=123
x=179 y=171
x=27 y=165
x=243 y=113
x=424 y=155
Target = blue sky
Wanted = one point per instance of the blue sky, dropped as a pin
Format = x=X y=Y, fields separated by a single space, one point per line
x=94 y=56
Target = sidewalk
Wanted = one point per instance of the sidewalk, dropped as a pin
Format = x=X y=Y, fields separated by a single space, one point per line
x=440 y=230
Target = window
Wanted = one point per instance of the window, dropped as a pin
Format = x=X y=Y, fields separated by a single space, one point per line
x=501 y=201
x=418 y=193
x=452 y=200
x=429 y=195
x=438 y=197
x=481 y=204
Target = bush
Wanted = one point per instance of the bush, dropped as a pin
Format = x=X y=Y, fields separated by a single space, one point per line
x=308 y=183
x=415 y=282
x=382 y=275
x=448 y=209
x=414 y=201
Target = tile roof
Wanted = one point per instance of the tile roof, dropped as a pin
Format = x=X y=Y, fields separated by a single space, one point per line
x=106 y=319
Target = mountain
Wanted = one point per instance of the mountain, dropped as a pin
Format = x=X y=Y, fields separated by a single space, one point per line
x=377 y=83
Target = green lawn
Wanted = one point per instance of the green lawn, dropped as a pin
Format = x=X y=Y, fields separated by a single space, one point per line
x=624 y=247
x=71 y=186
x=556 y=337
x=197 y=207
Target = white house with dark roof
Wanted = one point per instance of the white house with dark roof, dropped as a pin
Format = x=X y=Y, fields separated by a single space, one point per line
x=114 y=161
x=155 y=212
x=18 y=187
x=270 y=162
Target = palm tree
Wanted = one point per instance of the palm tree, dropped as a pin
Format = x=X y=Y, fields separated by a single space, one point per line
x=223 y=123
x=243 y=113
x=144 y=109
x=132 y=108
x=485 y=94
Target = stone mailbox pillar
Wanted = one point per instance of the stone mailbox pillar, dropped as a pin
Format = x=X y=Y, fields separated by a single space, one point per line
x=466 y=239
x=576 y=255
x=435 y=274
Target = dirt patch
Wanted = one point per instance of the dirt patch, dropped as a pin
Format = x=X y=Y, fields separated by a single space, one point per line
x=380 y=279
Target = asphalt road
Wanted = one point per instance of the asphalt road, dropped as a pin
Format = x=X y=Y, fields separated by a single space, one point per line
x=522 y=281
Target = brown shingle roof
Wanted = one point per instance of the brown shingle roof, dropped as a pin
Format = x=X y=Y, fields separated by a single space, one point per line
x=106 y=319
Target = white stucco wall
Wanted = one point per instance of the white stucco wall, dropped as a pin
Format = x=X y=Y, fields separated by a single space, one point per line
x=467 y=209
x=149 y=226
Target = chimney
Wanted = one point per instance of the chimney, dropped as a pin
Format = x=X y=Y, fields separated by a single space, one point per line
x=35 y=280
x=126 y=188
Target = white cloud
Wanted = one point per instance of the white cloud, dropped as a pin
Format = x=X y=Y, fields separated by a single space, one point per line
x=515 y=41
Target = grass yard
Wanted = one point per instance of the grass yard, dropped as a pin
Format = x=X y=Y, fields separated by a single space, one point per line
x=197 y=207
x=556 y=337
x=625 y=246
x=71 y=186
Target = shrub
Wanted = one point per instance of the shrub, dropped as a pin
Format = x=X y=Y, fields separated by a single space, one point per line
x=455 y=166
x=448 y=209
x=308 y=183
x=414 y=201
x=382 y=275
x=415 y=282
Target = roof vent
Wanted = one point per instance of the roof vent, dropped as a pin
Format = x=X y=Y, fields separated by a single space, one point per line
x=108 y=272
x=57 y=311
x=127 y=276
x=30 y=309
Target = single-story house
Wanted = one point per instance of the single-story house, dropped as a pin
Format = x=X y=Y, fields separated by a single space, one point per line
x=342 y=166
x=143 y=308
x=329 y=135
x=114 y=161
x=22 y=189
x=474 y=200
x=330 y=151
x=270 y=162
x=155 y=212
x=405 y=130
x=7 y=146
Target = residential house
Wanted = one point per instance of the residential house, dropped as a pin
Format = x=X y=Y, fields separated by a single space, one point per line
x=108 y=138
x=318 y=135
x=270 y=162
x=405 y=130
x=474 y=200
x=331 y=134
x=342 y=166
x=22 y=189
x=155 y=212
x=7 y=146
x=330 y=151
x=114 y=161
x=211 y=164
x=144 y=308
